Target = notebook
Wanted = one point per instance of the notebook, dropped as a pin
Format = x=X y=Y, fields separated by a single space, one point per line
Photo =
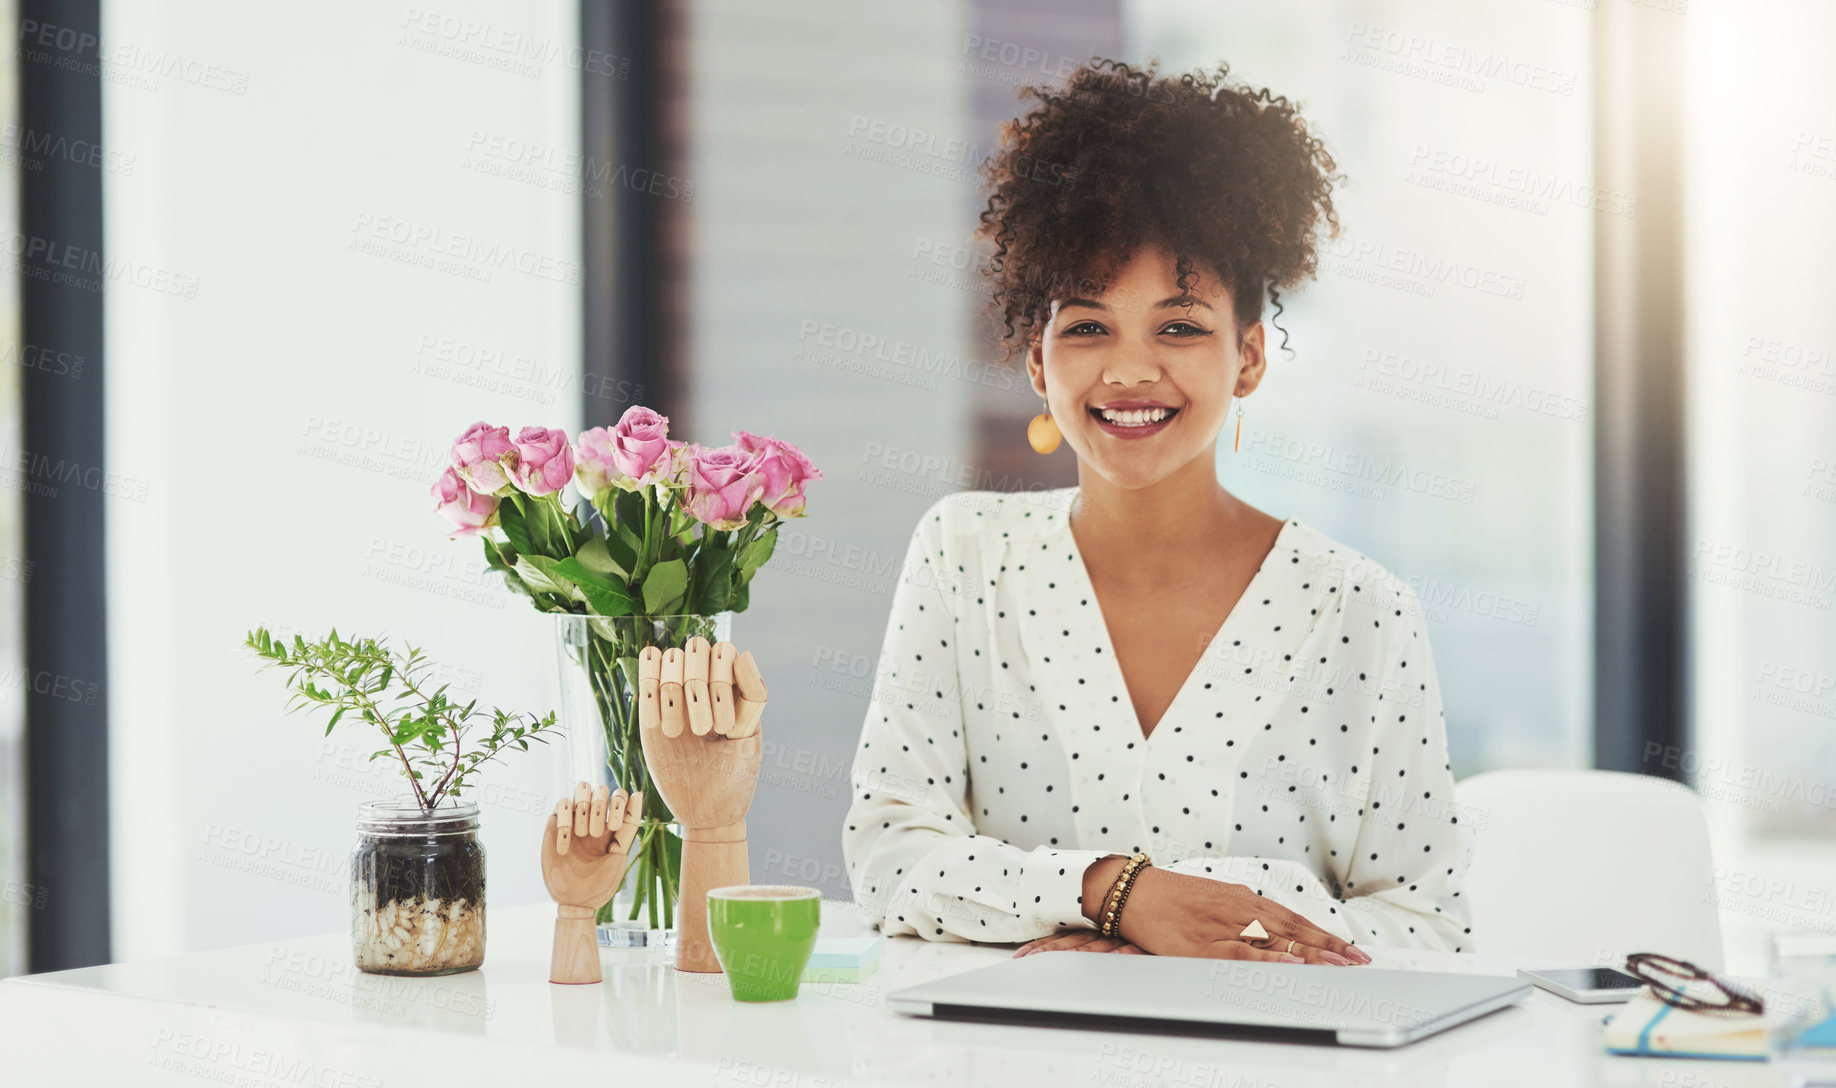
x=1647 y=1026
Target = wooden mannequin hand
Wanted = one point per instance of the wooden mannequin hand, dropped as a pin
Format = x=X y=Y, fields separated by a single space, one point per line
x=698 y=721
x=583 y=859
x=584 y=845
x=698 y=717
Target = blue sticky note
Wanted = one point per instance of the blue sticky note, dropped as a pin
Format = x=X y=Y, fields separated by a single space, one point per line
x=1822 y=1034
x=843 y=959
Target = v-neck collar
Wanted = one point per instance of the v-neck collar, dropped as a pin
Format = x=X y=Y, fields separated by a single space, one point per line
x=1110 y=673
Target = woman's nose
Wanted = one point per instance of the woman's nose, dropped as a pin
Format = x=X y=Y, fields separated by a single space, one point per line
x=1132 y=366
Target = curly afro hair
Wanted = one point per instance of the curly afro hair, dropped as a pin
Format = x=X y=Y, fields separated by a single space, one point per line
x=1220 y=174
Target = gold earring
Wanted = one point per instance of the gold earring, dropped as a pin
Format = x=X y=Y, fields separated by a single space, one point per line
x=1043 y=433
x=1238 y=447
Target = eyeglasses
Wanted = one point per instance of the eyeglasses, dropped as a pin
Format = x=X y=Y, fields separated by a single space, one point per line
x=1683 y=985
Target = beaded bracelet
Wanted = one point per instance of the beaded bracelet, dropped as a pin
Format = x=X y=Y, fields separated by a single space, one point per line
x=1125 y=880
x=1108 y=910
x=1118 y=895
x=1122 y=896
x=1109 y=894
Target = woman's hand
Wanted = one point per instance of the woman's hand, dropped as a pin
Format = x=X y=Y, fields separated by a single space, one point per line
x=1171 y=914
x=1078 y=940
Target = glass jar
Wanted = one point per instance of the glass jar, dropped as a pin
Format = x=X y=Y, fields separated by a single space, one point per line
x=1802 y=1009
x=417 y=889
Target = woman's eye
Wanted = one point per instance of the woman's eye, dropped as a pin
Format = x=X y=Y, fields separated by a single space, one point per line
x=1184 y=329
x=1083 y=328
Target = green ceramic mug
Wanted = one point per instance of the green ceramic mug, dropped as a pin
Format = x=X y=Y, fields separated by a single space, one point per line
x=763 y=935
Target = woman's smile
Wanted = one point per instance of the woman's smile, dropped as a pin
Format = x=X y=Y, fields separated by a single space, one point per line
x=1133 y=419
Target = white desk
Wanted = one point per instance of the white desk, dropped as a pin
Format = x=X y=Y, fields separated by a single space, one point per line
x=293 y=1013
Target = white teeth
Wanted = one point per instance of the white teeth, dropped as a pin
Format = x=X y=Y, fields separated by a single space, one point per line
x=1135 y=417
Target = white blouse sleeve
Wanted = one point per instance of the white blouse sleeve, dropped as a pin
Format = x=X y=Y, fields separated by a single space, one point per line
x=915 y=860
x=1400 y=886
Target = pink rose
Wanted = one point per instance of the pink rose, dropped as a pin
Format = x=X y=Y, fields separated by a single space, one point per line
x=483 y=456
x=472 y=511
x=594 y=468
x=680 y=460
x=722 y=485
x=784 y=470
x=544 y=461
x=640 y=448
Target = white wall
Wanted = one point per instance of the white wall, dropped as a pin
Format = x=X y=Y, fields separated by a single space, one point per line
x=286 y=421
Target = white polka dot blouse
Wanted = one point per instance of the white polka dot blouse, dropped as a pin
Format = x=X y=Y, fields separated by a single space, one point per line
x=1305 y=756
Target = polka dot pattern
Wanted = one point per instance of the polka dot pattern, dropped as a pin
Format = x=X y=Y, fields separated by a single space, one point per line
x=1305 y=755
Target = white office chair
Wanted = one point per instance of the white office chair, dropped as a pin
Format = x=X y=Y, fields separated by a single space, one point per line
x=1587 y=866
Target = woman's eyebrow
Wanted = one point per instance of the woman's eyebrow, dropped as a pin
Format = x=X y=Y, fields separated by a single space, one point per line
x=1179 y=301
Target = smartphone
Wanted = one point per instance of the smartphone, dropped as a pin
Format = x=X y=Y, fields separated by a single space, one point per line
x=1586 y=985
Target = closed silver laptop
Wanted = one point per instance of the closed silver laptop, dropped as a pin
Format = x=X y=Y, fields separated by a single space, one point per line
x=1355 y=1006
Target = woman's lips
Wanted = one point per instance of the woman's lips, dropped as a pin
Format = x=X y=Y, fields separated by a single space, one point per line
x=1143 y=430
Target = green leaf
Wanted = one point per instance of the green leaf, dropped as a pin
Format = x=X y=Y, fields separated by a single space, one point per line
x=605 y=596
x=664 y=585
x=608 y=600
x=516 y=586
x=577 y=573
x=595 y=556
x=713 y=580
x=494 y=555
x=548 y=529
x=538 y=573
x=628 y=511
x=510 y=519
x=755 y=554
x=626 y=548
x=339 y=713
x=742 y=596
x=713 y=561
x=538 y=519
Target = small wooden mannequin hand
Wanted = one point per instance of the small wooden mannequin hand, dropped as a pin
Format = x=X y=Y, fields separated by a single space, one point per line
x=583 y=860
x=699 y=709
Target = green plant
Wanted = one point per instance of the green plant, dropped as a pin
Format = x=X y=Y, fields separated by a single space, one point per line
x=390 y=689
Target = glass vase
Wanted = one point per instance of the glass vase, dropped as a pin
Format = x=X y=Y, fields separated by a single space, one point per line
x=597 y=657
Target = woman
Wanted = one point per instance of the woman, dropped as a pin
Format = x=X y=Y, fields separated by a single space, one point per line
x=1143 y=663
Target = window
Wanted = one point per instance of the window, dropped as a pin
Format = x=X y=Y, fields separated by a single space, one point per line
x=1436 y=412
x=1761 y=220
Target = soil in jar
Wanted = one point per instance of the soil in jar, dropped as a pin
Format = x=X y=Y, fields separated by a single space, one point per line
x=418 y=905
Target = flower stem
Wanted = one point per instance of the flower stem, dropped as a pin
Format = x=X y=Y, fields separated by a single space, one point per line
x=654 y=892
